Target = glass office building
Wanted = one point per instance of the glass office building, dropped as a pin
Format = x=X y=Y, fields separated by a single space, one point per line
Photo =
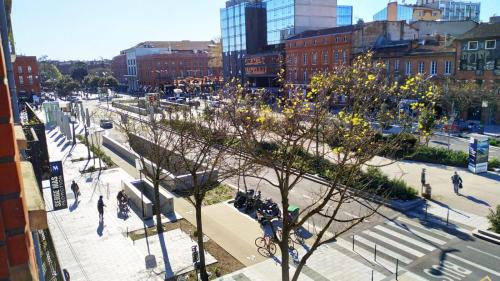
x=280 y=20
x=404 y=12
x=344 y=15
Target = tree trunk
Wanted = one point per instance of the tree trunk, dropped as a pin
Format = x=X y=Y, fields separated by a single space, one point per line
x=159 y=226
x=285 y=256
x=199 y=234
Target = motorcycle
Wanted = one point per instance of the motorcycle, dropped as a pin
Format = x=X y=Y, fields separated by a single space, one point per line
x=242 y=198
x=268 y=211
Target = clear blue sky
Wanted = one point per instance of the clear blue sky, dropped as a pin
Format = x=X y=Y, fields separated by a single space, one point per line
x=89 y=29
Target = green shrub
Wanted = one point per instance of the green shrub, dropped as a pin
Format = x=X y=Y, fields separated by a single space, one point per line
x=495 y=142
x=494 y=163
x=437 y=155
x=494 y=218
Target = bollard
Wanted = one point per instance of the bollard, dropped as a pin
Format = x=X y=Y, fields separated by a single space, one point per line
x=353 y=243
x=372 y=274
x=375 y=252
x=397 y=268
x=447 y=217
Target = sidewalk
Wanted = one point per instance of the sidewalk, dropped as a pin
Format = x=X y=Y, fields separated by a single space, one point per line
x=90 y=250
x=481 y=192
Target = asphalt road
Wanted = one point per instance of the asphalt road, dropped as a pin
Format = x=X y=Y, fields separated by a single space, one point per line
x=459 y=144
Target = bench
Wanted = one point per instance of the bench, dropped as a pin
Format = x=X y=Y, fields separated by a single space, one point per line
x=134 y=195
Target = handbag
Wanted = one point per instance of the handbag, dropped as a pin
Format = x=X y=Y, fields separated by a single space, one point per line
x=460 y=185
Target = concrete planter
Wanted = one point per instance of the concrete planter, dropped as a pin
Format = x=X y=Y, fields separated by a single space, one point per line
x=138 y=199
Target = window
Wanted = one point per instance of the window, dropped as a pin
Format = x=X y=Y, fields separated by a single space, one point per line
x=408 y=68
x=344 y=56
x=314 y=58
x=336 y=56
x=29 y=69
x=305 y=75
x=396 y=66
x=345 y=38
x=447 y=67
x=337 y=39
x=473 y=45
x=420 y=13
x=433 y=68
x=305 y=59
x=491 y=44
x=325 y=57
x=30 y=79
x=19 y=69
x=421 y=67
x=21 y=80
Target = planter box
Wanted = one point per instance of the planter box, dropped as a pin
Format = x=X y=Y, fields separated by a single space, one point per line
x=166 y=198
x=134 y=195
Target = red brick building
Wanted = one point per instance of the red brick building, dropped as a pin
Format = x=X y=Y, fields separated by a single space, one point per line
x=315 y=51
x=26 y=75
x=119 y=68
x=162 y=69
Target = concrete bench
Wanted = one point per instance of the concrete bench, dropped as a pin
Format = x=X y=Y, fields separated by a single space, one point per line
x=166 y=198
x=134 y=195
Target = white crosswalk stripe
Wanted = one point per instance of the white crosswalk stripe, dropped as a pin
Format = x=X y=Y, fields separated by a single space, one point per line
x=405 y=238
x=401 y=239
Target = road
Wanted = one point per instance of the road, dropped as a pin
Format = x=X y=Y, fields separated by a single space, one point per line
x=459 y=144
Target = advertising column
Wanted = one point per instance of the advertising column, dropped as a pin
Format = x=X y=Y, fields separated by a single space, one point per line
x=478 y=153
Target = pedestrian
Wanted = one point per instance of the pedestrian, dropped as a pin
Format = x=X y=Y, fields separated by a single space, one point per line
x=76 y=190
x=100 y=208
x=422 y=178
x=457 y=182
x=66 y=275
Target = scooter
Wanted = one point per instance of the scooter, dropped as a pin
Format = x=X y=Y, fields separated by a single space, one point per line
x=268 y=211
x=242 y=198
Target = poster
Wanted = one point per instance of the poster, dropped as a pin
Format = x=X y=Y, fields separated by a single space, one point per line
x=478 y=154
x=57 y=188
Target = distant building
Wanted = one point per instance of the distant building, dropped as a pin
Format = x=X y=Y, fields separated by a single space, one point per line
x=344 y=15
x=317 y=51
x=286 y=18
x=26 y=76
x=449 y=29
x=454 y=10
x=119 y=69
x=409 y=13
x=372 y=34
x=176 y=60
x=478 y=59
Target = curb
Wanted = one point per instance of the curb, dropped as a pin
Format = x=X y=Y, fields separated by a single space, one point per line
x=487 y=235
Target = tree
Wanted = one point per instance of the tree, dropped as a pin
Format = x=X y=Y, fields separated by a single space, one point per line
x=65 y=86
x=203 y=150
x=49 y=74
x=215 y=53
x=282 y=141
x=79 y=71
x=108 y=81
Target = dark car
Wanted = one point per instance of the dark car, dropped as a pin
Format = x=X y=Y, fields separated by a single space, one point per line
x=106 y=124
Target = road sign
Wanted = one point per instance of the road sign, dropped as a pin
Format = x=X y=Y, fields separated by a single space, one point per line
x=57 y=188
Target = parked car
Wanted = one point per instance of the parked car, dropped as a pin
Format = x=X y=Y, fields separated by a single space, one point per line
x=106 y=124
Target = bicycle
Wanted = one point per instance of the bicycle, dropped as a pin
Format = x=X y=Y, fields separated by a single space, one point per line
x=266 y=243
x=279 y=235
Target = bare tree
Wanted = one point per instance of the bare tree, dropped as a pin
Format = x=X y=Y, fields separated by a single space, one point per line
x=283 y=141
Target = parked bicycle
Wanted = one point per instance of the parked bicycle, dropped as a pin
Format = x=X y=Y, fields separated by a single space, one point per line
x=266 y=243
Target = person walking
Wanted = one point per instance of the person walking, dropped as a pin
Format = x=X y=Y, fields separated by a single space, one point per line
x=76 y=190
x=457 y=182
x=100 y=208
x=422 y=179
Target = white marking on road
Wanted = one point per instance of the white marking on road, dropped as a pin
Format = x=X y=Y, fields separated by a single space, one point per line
x=368 y=255
x=395 y=244
x=354 y=216
x=405 y=238
x=362 y=240
x=418 y=233
x=483 y=268
x=433 y=230
x=483 y=252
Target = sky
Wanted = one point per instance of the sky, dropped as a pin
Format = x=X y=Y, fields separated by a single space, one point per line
x=95 y=29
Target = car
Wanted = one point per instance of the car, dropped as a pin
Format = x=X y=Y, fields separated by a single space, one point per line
x=106 y=124
x=171 y=99
x=180 y=100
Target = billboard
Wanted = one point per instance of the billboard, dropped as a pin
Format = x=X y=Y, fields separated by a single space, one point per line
x=478 y=154
x=57 y=188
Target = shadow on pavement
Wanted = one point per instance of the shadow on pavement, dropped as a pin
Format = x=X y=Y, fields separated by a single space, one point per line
x=166 y=261
x=476 y=200
x=73 y=206
x=100 y=228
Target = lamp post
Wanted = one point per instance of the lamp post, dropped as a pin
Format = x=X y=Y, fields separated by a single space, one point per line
x=73 y=121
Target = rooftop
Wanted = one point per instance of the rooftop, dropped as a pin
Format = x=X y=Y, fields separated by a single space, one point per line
x=483 y=30
x=184 y=45
x=322 y=32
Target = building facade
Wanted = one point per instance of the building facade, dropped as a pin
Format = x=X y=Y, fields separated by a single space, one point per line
x=455 y=10
x=243 y=30
x=409 y=13
x=317 y=51
x=372 y=34
x=344 y=15
x=26 y=76
x=162 y=50
x=119 y=68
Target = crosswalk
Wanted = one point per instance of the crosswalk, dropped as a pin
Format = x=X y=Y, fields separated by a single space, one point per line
x=395 y=243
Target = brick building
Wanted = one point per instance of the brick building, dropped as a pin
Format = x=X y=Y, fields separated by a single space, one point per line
x=22 y=209
x=26 y=75
x=478 y=59
x=162 y=69
x=315 y=51
x=119 y=68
